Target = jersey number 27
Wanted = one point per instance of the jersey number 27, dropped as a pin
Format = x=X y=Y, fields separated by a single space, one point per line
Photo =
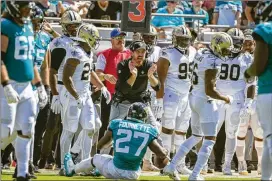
x=128 y=138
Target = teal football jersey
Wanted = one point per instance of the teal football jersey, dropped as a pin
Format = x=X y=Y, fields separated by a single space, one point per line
x=265 y=79
x=130 y=140
x=20 y=53
x=42 y=41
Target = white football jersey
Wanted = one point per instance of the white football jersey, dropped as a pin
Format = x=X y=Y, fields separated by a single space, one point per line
x=231 y=79
x=154 y=57
x=61 y=42
x=82 y=76
x=180 y=68
x=204 y=60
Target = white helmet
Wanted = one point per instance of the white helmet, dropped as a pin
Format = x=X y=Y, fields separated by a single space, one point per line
x=238 y=39
x=181 y=37
x=70 y=17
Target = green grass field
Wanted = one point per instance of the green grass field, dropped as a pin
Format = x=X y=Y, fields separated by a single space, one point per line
x=52 y=175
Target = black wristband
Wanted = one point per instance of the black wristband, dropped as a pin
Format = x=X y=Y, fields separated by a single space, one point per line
x=5 y=83
x=39 y=84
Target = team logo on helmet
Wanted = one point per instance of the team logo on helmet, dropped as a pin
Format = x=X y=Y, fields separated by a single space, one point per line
x=238 y=39
x=221 y=44
x=181 y=37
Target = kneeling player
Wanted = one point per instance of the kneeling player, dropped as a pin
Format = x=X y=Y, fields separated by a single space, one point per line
x=131 y=138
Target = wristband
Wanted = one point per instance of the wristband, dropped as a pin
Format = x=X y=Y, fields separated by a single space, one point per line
x=39 y=84
x=52 y=31
x=5 y=83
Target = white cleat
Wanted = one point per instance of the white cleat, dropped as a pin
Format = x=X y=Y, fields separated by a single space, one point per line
x=242 y=168
x=69 y=165
x=227 y=169
x=171 y=171
x=183 y=170
x=195 y=178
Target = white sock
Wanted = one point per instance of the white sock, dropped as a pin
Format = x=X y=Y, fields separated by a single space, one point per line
x=184 y=148
x=203 y=156
x=259 y=149
x=240 y=150
x=266 y=162
x=166 y=141
x=22 y=149
x=86 y=144
x=77 y=145
x=84 y=166
x=230 y=148
x=178 y=140
x=31 y=149
x=65 y=144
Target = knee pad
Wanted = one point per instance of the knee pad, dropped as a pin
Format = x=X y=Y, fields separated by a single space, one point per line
x=207 y=147
x=258 y=133
x=241 y=142
x=179 y=139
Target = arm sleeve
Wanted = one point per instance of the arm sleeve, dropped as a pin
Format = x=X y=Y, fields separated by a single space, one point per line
x=101 y=62
x=57 y=56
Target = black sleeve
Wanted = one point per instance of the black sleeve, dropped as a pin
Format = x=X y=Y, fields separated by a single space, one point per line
x=252 y=4
x=57 y=56
x=123 y=75
x=158 y=86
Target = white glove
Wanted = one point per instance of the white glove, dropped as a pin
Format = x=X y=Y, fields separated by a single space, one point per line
x=227 y=105
x=106 y=94
x=246 y=111
x=80 y=103
x=158 y=108
x=43 y=99
x=11 y=95
x=55 y=104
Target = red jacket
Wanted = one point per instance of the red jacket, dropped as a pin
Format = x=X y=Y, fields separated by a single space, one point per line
x=112 y=59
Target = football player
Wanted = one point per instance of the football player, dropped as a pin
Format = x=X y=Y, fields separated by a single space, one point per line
x=18 y=103
x=249 y=117
x=172 y=103
x=203 y=98
x=78 y=107
x=262 y=67
x=131 y=138
x=70 y=21
x=153 y=52
x=231 y=82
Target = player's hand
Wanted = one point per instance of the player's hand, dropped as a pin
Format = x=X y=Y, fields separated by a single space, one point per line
x=158 y=108
x=132 y=68
x=152 y=70
x=106 y=94
x=228 y=102
x=110 y=78
x=43 y=99
x=55 y=104
x=10 y=94
x=47 y=27
x=79 y=102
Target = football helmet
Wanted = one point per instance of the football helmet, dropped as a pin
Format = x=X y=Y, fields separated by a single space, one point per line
x=237 y=38
x=37 y=17
x=89 y=34
x=150 y=39
x=70 y=21
x=137 y=112
x=20 y=9
x=181 y=37
x=221 y=44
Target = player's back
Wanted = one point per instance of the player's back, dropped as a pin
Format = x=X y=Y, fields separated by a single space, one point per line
x=231 y=79
x=20 y=51
x=204 y=60
x=179 y=71
x=81 y=77
x=131 y=140
x=42 y=41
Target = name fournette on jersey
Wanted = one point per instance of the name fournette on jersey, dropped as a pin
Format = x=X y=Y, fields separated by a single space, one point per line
x=140 y=127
